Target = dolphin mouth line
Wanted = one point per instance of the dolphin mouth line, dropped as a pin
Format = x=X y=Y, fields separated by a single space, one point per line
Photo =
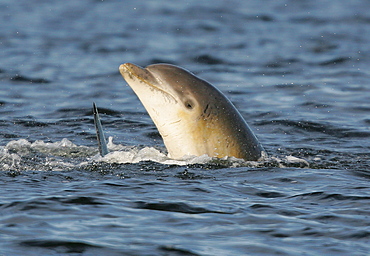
x=132 y=73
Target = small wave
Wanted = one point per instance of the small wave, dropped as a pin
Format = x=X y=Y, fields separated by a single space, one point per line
x=175 y=207
x=62 y=246
x=335 y=61
x=171 y=250
x=208 y=59
x=319 y=195
x=20 y=78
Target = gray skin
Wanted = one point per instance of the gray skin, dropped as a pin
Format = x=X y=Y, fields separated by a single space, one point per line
x=192 y=116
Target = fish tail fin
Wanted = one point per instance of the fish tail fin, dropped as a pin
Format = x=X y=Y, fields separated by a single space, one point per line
x=103 y=149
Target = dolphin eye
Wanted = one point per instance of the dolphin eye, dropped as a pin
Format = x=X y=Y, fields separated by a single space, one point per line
x=189 y=104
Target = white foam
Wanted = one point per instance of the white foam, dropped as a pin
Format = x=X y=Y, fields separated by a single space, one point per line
x=288 y=161
x=61 y=153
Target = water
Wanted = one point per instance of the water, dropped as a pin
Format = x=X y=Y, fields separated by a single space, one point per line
x=296 y=70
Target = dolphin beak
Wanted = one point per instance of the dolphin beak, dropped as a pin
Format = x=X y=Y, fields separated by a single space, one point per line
x=129 y=67
x=131 y=72
x=127 y=70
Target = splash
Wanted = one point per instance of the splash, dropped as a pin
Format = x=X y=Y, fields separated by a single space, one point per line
x=127 y=154
x=65 y=155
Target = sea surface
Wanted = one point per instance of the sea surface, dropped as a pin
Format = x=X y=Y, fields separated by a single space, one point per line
x=298 y=71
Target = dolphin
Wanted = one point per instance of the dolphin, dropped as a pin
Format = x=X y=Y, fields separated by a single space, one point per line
x=193 y=117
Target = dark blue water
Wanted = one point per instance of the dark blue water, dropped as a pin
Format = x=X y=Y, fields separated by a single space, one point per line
x=298 y=71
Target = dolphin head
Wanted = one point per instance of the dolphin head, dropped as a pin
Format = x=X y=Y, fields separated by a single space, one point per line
x=173 y=84
x=192 y=116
